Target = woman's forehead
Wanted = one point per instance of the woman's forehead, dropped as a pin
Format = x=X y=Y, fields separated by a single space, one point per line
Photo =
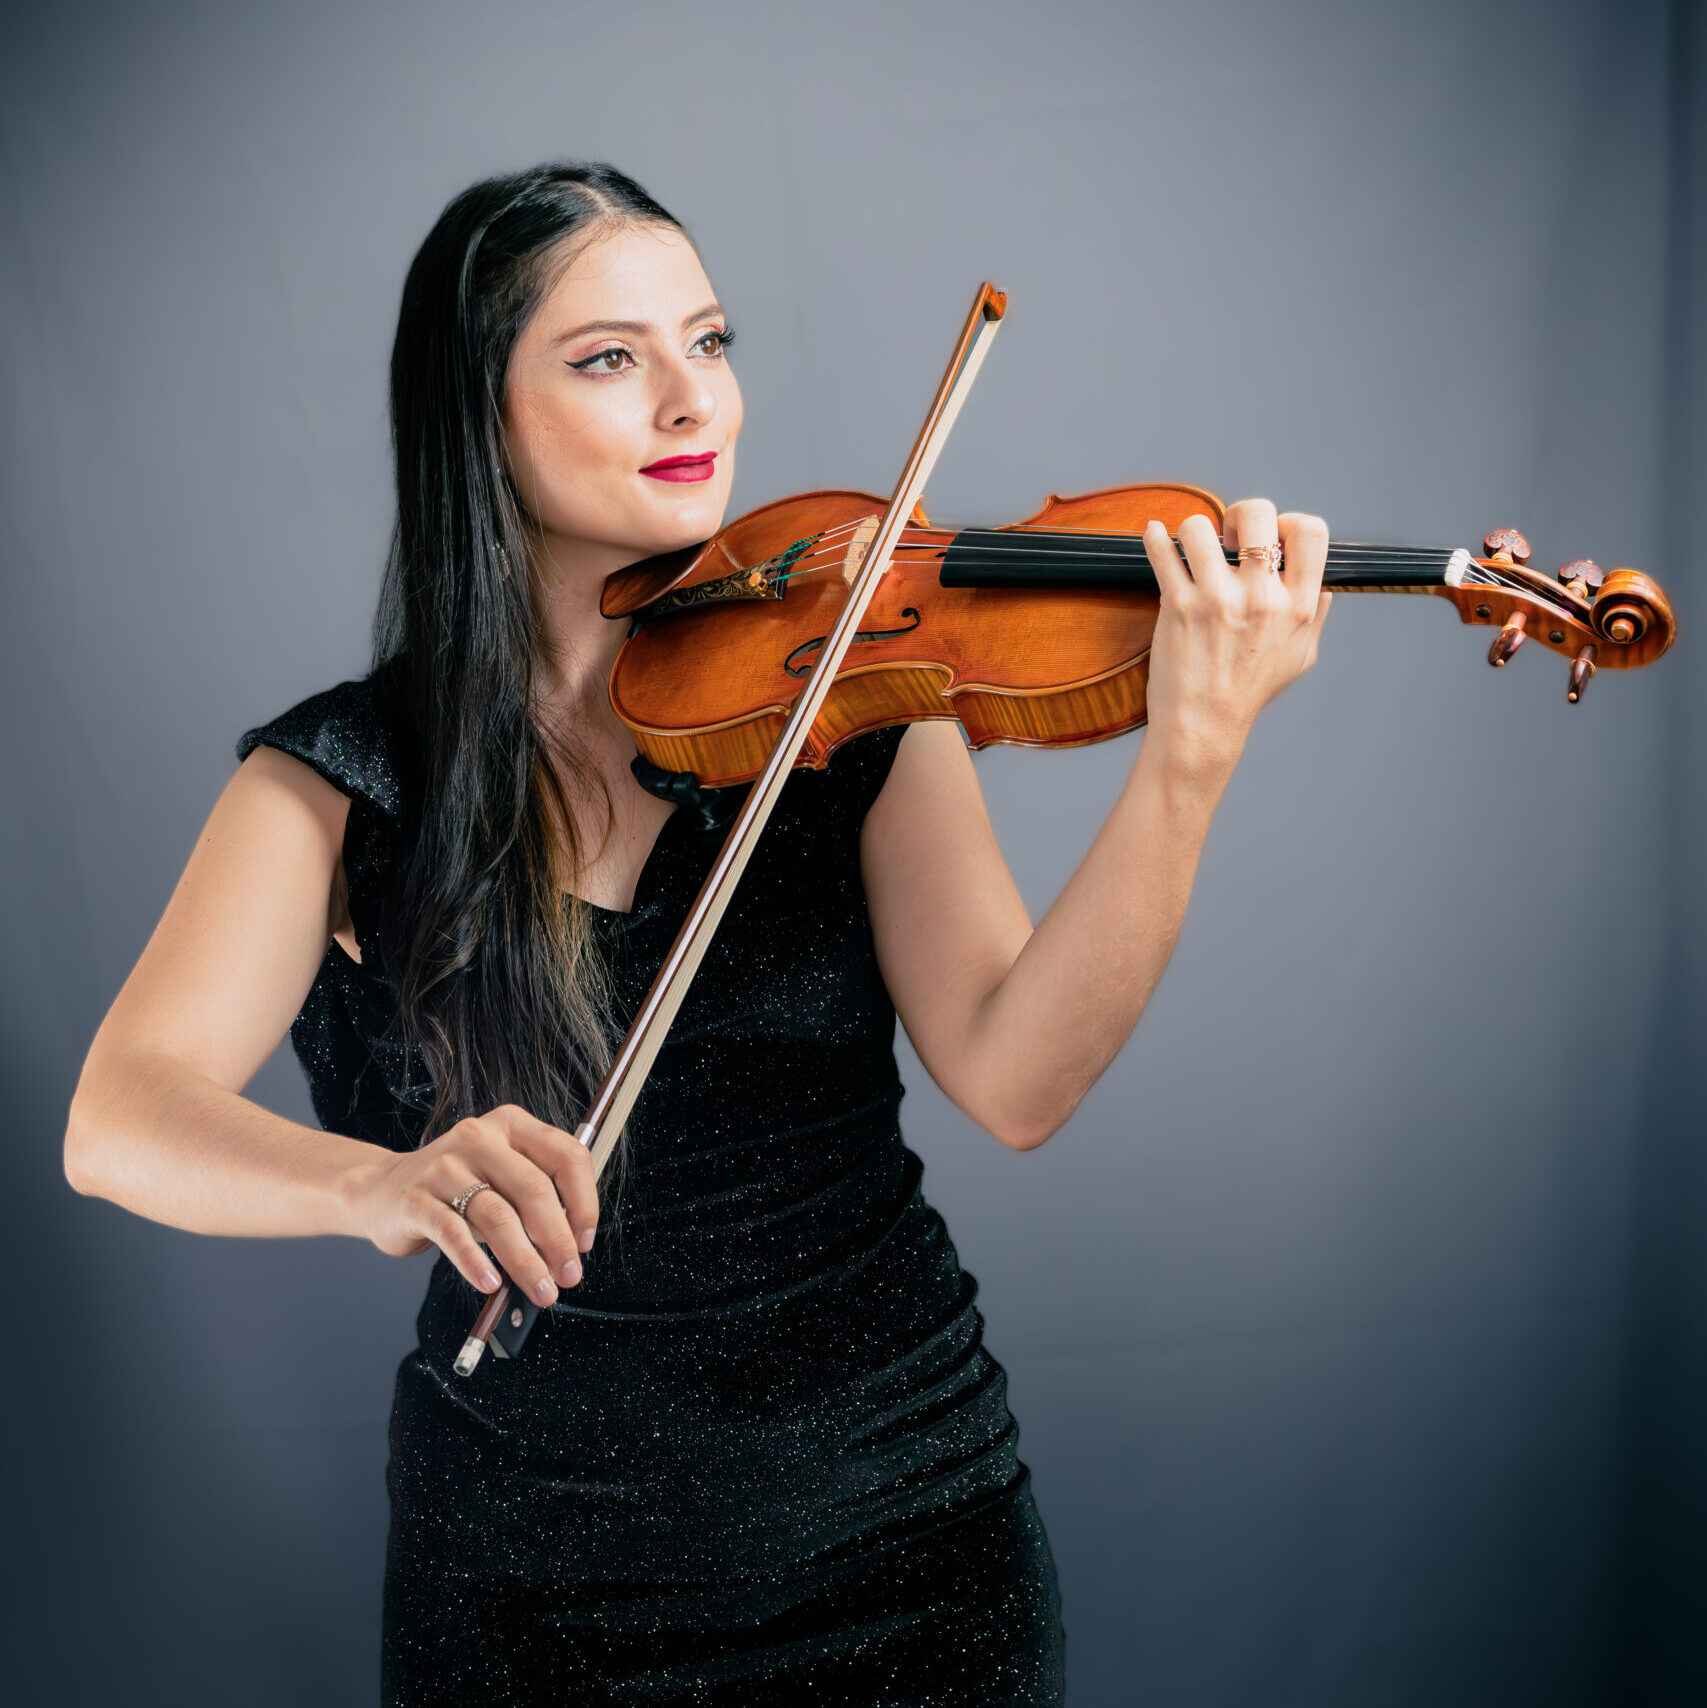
x=639 y=273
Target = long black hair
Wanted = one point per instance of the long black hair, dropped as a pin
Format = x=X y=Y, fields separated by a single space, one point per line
x=497 y=980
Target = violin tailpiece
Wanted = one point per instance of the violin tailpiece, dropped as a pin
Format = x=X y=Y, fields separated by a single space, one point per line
x=768 y=580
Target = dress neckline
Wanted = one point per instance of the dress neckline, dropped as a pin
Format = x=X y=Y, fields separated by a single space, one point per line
x=640 y=877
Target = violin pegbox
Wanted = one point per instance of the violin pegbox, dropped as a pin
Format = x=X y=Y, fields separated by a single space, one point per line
x=1599 y=619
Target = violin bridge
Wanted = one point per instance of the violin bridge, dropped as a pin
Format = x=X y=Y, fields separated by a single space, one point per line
x=858 y=546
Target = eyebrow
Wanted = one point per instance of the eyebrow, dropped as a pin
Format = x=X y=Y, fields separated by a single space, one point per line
x=638 y=328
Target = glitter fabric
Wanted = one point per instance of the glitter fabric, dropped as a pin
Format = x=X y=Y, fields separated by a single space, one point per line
x=760 y=1455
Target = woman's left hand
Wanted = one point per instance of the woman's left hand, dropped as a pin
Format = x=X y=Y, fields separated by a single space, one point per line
x=1230 y=637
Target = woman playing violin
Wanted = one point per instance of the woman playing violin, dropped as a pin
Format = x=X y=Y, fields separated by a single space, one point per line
x=756 y=1451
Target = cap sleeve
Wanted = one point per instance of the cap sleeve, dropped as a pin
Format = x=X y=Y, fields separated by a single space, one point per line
x=340 y=735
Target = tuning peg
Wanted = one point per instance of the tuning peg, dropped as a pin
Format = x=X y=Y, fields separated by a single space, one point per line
x=1507 y=545
x=1509 y=639
x=1582 y=577
x=1582 y=668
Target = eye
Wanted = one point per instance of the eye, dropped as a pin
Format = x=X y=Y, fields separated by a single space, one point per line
x=715 y=342
x=611 y=361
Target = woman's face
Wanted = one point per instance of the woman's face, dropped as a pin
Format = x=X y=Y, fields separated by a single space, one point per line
x=620 y=409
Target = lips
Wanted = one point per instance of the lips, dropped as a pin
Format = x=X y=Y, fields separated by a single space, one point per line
x=683 y=468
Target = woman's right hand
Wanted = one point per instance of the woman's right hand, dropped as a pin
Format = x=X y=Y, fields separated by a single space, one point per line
x=539 y=1215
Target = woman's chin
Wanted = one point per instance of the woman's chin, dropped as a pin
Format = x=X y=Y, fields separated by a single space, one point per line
x=686 y=523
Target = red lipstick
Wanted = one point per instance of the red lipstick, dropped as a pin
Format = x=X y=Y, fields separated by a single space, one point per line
x=683 y=468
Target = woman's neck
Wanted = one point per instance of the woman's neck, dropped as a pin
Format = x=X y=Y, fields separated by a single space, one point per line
x=579 y=642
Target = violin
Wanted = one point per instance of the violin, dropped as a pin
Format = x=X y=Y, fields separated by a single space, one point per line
x=1036 y=633
x=810 y=620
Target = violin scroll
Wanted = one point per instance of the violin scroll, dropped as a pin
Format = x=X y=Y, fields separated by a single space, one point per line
x=1599 y=619
x=1628 y=606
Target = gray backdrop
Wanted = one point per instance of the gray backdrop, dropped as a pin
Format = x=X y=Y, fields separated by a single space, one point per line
x=1355 y=1324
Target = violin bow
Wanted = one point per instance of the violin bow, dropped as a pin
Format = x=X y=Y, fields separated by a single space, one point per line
x=505 y=1324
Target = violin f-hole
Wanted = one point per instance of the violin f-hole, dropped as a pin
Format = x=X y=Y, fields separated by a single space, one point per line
x=798 y=664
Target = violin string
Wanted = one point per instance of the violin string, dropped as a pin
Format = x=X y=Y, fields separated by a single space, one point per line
x=1022 y=542
x=1019 y=538
x=1338 y=556
x=804 y=571
x=1050 y=544
x=827 y=552
x=1346 y=557
x=1046 y=545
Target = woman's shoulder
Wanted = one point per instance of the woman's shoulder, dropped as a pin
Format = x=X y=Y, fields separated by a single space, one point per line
x=346 y=734
x=343 y=734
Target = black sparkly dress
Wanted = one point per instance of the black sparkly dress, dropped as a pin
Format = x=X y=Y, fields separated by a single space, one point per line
x=760 y=1454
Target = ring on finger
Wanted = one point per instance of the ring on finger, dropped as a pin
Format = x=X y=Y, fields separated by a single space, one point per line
x=1266 y=557
x=465 y=1197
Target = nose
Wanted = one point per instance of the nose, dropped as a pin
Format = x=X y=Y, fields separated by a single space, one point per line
x=685 y=399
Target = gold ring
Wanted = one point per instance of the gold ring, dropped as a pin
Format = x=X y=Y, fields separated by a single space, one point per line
x=1268 y=556
x=465 y=1197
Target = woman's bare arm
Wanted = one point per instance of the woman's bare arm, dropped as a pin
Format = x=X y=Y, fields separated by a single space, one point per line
x=158 y=1123
x=1016 y=1024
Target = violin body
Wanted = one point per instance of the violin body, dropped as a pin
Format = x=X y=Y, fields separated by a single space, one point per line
x=706 y=688
x=1037 y=633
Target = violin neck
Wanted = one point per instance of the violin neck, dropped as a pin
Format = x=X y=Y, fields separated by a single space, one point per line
x=1027 y=558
